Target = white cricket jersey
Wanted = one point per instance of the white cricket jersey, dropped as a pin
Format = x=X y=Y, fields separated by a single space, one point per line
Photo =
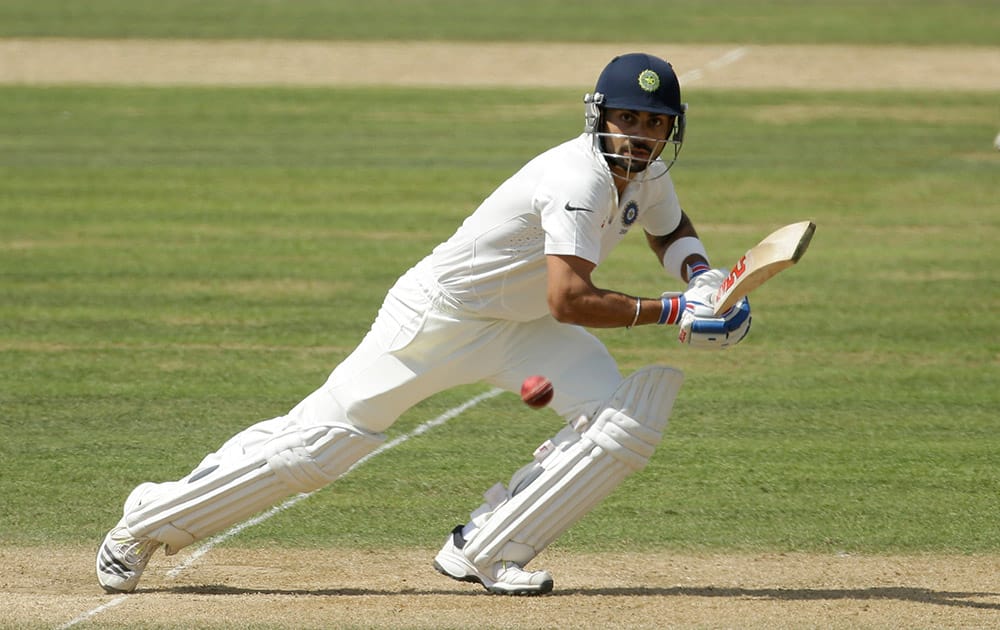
x=562 y=202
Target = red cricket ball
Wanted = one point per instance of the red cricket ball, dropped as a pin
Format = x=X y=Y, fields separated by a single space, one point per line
x=536 y=391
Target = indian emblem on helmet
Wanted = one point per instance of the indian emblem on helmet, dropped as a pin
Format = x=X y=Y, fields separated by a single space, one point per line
x=649 y=80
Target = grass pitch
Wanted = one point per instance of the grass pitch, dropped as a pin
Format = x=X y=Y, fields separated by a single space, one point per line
x=919 y=22
x=176 y=264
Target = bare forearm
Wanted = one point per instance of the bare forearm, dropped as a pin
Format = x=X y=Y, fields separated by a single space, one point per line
x=603 y=308
x=574 y=299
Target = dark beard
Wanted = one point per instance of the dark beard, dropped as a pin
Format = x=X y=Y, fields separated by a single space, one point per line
x=626 y=164
x=629 y=165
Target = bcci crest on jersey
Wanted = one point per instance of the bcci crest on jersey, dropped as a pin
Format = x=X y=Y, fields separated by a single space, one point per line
x=630 y=214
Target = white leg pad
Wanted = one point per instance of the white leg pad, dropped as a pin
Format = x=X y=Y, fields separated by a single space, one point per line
x=576 y=473
x=298 y=460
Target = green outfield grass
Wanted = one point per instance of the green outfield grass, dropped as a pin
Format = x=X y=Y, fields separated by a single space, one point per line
x=966 y=22
x=176 y=264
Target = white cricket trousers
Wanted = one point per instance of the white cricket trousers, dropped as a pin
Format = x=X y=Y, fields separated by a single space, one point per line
x=422 y=343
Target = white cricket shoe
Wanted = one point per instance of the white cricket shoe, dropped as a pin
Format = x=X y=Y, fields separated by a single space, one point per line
x=505 y=578
x=122 y=558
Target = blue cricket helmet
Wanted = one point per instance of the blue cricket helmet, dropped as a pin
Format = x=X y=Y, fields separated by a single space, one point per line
x=640 y=82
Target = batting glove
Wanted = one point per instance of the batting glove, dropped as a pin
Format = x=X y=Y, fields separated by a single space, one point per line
x=702 y=329
x=704 y=285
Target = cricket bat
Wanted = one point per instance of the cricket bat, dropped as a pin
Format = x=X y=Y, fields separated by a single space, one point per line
x=779 y=251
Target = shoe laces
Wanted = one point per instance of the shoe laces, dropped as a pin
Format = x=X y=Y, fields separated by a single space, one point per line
x=504 y=566
x=136 y=551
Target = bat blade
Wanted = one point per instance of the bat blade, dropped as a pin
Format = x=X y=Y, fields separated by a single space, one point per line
x=778 y=251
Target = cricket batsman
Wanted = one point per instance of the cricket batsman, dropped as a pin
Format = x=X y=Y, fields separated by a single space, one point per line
x=508 y=295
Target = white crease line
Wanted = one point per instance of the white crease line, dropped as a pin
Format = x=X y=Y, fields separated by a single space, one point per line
x=87 y=615
x=260 y=518
x=730 y=57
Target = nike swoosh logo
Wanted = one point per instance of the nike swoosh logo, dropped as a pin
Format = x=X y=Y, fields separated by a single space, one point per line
x=576 y=209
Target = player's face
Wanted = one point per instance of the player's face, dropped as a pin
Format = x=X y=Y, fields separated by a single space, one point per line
x=637 y=138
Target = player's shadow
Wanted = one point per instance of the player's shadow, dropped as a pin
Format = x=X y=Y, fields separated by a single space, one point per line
x=900 y=593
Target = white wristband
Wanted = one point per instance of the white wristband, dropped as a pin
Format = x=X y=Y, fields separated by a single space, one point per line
x=677 y=253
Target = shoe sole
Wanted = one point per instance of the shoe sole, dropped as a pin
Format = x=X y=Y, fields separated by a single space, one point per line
x=541 y=589
x=115 y=591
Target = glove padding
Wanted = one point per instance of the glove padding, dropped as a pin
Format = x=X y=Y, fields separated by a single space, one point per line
x=703 y=286
x=701 y=328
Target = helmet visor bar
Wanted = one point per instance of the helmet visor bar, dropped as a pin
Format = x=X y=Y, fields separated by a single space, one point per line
x=658 y=148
